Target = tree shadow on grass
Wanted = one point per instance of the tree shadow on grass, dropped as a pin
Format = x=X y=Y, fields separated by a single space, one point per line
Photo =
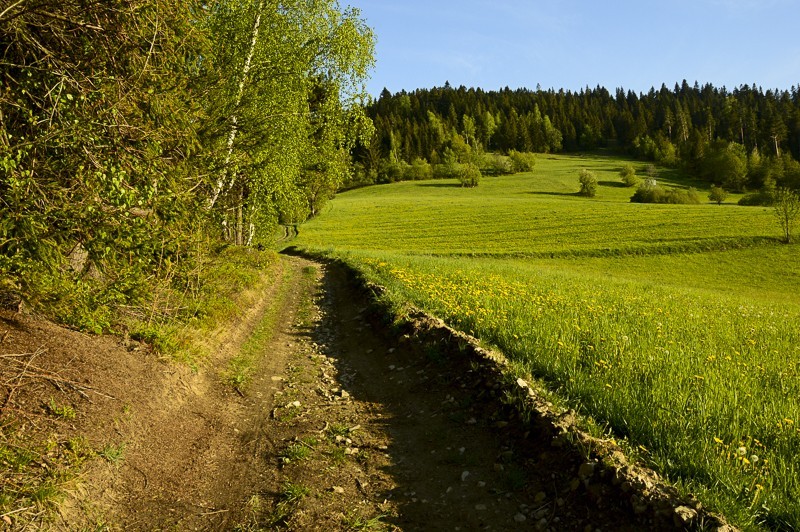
x=612 y=184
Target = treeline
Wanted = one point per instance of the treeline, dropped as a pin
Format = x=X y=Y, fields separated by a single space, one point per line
x=746 y=138
x=136 y=136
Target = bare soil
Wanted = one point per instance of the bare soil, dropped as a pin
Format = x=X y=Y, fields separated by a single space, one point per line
x=349 y=423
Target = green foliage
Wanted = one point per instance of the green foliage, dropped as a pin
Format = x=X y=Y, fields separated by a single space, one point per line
x=763 y=198
x=62 y=411
x=298 y=451
x=651 y=192
x=717 y=194
x=112 y=453
x=294 y=493
x=725 y=163
x=355 y=522
x=285 y=98
x=588 y=183
x=628 y=176
x=469 y=175
x=94 y=138
x=133 y=136
x=522 y=162
x=496 y=164
x=705 y=129
x=418 y=170
x=787 y=211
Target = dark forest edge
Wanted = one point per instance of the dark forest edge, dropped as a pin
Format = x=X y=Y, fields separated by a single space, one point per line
x=742 y=140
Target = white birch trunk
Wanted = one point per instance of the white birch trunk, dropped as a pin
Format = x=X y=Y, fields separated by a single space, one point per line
x=234 y=121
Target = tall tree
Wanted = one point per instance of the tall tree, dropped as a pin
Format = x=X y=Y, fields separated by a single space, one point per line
x=290 y=88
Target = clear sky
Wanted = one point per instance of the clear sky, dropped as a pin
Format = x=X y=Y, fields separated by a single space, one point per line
x=572 y=44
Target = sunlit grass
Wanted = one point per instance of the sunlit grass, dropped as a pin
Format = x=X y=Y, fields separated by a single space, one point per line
x=535 y=214
x=675 y=326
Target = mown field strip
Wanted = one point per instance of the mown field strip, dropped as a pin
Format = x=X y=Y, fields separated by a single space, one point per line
x=427 y=220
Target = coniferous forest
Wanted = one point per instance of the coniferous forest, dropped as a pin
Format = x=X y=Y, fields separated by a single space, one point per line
x=741 y=139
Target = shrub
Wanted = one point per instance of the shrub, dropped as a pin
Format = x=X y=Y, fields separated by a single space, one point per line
x=522 y=161
x=391 y=171
x=717 y=194
x=787 y=211
x=469 y=176
x=628 y=176
x=763 y=198
x=649 y=193
x=418 y=170
x=495 y=164
x=588 y=183
x=450 y=170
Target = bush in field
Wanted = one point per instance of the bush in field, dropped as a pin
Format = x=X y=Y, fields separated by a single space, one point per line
x=391 y=171
x=495 y=164
x=469 y=176
x=588 y=182
x=522 y=161
x=449 y=170
x=418 y=169
x=651 y=193
x=628 y=176
x=686 y=197
x=763 y=198
x=717 y=194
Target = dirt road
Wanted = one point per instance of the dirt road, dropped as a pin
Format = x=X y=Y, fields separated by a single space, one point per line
x=348 y=424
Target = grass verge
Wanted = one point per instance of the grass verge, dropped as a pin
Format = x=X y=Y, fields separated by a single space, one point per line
x=229 y=284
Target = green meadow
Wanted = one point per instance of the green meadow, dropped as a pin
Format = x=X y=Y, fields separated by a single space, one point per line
x=672 y=326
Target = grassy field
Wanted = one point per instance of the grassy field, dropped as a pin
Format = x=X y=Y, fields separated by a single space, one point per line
x=675 y=326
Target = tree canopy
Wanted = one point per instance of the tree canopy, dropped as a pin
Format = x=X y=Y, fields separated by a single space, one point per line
x=130 y=132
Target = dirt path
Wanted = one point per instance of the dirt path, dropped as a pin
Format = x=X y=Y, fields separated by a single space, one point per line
x=404 y=437
x=347 y=425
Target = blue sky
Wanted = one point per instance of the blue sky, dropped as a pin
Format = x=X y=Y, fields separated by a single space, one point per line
x=572 y=44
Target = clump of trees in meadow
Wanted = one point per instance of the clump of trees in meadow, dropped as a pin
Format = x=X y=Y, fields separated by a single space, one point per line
x=135 y=136
x=744 y=139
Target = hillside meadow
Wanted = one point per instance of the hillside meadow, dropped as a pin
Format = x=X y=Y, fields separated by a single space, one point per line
x=672 y=326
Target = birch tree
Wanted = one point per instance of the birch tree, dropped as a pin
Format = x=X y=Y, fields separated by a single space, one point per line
x=287 y=107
